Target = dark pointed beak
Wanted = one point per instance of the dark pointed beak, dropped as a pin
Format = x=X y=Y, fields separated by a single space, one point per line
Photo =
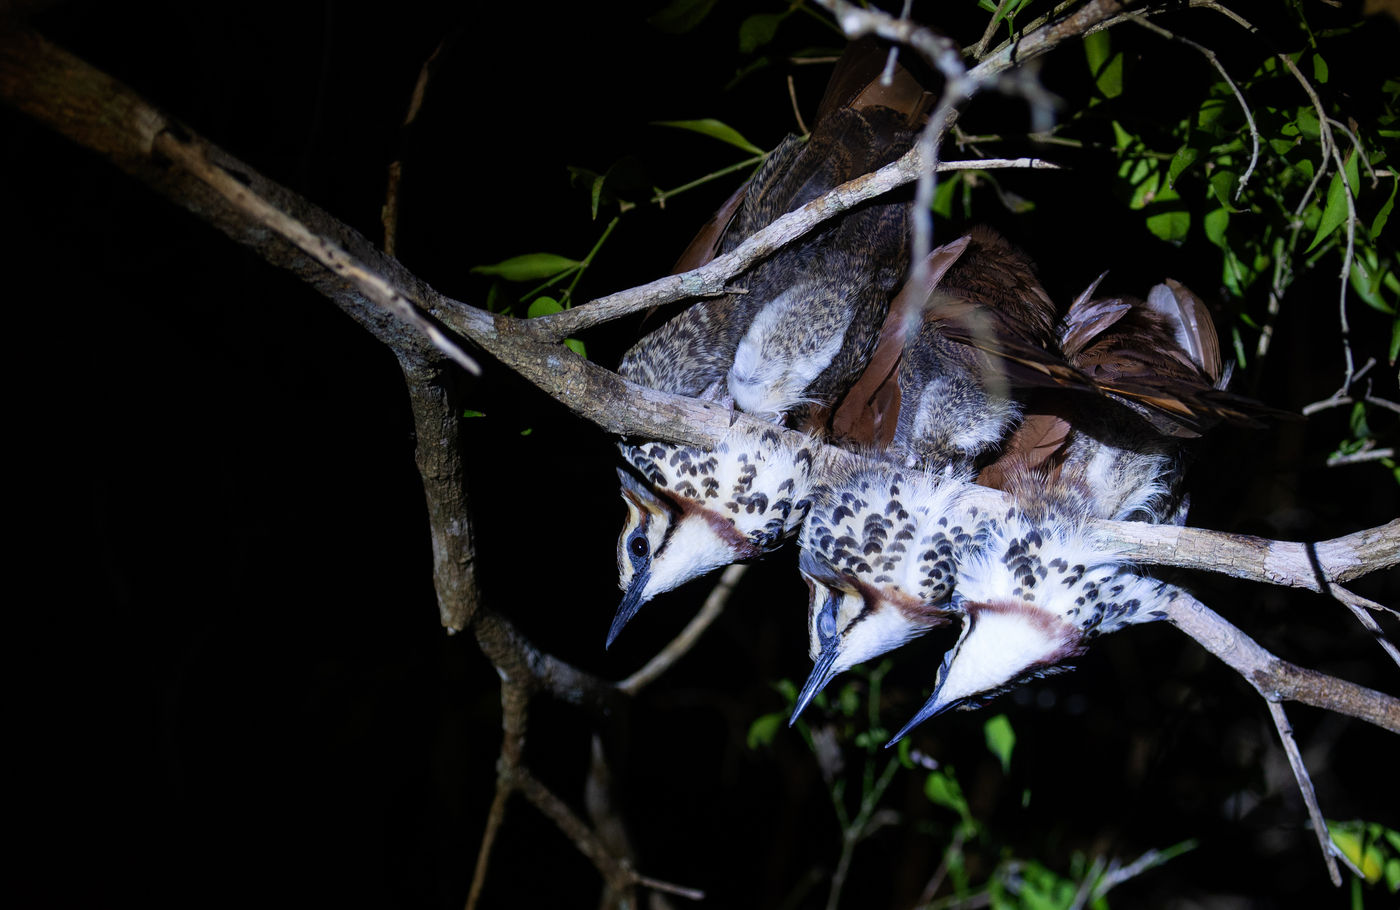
x=631 y=602
x=932 y=708
x=821 y=675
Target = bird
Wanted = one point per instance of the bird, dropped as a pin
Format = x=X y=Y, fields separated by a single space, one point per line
x=802 y=324
x=937 y=405
x=959 y=395
x=879 y=553
x=1042 y=587
x=1045 y=585
x=691 y=510
x=785 y=349
x=1158 y=383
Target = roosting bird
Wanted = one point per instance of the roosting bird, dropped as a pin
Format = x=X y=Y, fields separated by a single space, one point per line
x=784 y=349
x=1033 y=597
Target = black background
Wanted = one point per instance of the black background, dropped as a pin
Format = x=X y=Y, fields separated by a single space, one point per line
x=230 y=684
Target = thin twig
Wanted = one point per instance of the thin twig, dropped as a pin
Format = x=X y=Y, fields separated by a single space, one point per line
x=618 y=872
x=980 y=49
x=1276 y=679
x=1358 y=457
x=682 y=643
x=713 y=277
x=1360 y=607
x=936 y=880
x=514 y=708
x=1305 y=787
x=389 y=214
x=331 y=256
x=1239 y=96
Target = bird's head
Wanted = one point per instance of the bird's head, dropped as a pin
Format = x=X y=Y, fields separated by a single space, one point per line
x=1032 y=600
x=879 y=555
x=690 y=511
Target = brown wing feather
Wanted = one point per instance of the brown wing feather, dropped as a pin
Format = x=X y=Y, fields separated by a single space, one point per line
x=866 y=415
x=1160 y=358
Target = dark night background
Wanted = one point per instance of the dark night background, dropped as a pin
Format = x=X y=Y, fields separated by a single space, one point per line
x=231 y=686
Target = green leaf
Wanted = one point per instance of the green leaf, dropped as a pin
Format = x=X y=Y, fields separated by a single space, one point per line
x=942 y=789
x=715 y=129
x=596 y=193
x=681 y=16
x=1378 y=223
x=1096 y=50
x=1307 y=123
x=1109 y=79
x=1215 y=224
x=530 y=267
x=1184 y=158
x=1319 y=69
x=471 y=413
x=1335 y=212
x=1122 y=139
x=758 y=30
x=1367 y=275
x=764 y=729
x=1171 y=221
x=1170 y=226
x=543 y=306
x=1394 y=341
x=943 y=195
x=1209 y=114
x=527 y=431
x=1222 y=185
x=1001 y=739
x=1359 y=428
x=577 y=347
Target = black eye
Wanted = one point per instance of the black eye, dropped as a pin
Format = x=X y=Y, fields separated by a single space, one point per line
x=638 y=547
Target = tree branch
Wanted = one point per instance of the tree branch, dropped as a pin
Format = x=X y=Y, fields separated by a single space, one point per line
x=1276 y=679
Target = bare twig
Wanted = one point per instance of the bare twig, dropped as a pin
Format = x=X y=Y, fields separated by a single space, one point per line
x=1360 y=607
x=1329 y=151
x=939 y=50
x=620 y=875
x=980 y=49
x=1366 y=454
x=514 y=707
x=1305 y=787
x=682 y=643
x=936 y=880
x=713 y=277
x=176 y=146
x=1239 y=96
x=389 y=214
x=1275 y=679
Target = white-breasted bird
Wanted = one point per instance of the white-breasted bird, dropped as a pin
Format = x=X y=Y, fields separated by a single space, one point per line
x=940 y=395
x=692 y=510
x=785 y=349
x=880 y=551
x=1040 y=590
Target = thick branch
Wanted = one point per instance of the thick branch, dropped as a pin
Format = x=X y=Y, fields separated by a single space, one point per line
x=99 y=113
x=103 y=115
x=1298 y=565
